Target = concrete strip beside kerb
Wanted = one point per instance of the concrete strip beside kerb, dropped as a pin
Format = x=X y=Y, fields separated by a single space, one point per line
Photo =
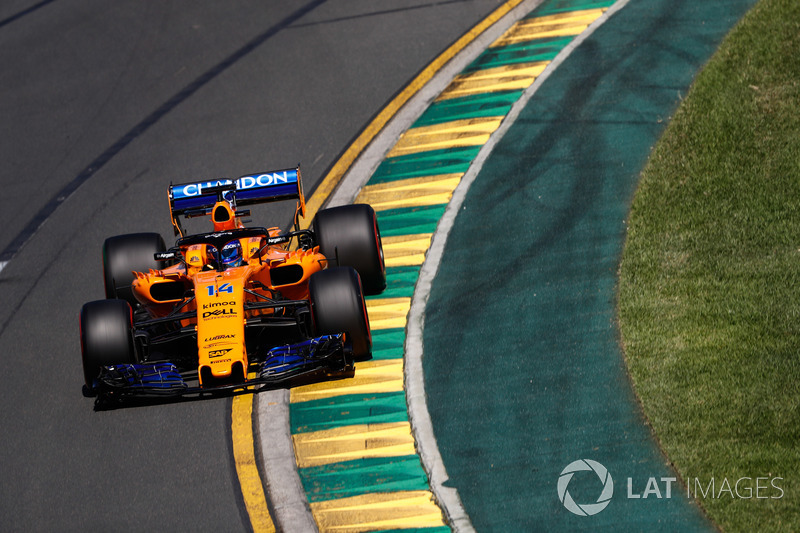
x=275 y=453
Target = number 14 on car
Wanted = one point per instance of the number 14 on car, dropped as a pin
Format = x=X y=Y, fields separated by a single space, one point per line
x=225 y=287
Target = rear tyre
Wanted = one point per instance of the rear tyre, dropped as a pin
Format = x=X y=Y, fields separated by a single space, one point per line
x=349 y=236
x=125 y=254
x=337 y=305
x=106 y=336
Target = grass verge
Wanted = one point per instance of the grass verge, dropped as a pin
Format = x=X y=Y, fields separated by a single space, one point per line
x=709 y=301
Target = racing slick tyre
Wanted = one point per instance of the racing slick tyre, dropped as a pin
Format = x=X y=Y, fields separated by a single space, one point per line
x=337 y=305
x=106 y=336
x=124 y=254
x=348 y=236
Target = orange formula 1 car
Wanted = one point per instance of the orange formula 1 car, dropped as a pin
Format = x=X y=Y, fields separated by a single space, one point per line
x=236 y=307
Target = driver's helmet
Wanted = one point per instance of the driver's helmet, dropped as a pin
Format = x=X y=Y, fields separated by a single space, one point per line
x=231 y=255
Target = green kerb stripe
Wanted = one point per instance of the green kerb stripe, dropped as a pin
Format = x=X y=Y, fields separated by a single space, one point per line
x=526 y=52
x=388 y=343
x=364 y=476
x=400 y=282
x=448 y=161
x=552 y=7
x=339 y=411
x=410 y=220
x=476 y=106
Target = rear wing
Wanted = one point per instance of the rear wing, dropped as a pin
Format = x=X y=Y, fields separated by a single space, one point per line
x=198 y=197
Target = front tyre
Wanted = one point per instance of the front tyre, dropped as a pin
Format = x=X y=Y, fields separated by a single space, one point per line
x=348 y=236
x=337 y=305
x=106 y=336
x=125 y=254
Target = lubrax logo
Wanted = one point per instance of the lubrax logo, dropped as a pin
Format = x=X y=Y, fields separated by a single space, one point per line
x=217 y=304
x=219 y=338
x=219 y=313
x=741 y=488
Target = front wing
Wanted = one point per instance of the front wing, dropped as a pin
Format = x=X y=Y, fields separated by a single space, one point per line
x=281 y=366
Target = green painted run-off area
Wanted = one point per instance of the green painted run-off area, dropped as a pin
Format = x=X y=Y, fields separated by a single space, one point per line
x=523 y=369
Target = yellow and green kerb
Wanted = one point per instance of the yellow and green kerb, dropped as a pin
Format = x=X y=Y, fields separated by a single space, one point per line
x=353 y=442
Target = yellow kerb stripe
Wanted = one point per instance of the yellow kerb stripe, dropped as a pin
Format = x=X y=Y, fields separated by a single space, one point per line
x=255 y=500
x=370 y=512
x=412 y=192
x=349 y=443
x=386 y=313
x=466 y=132
x=383 y=375
x=559 y=25
x=406 y=250
x=505 y=78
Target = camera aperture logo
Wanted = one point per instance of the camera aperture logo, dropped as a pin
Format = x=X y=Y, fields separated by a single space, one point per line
x=585 y=509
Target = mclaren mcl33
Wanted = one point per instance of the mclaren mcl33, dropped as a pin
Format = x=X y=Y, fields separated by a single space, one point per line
x=238 y=307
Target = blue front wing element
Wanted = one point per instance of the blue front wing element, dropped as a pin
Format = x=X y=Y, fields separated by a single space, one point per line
x=281 y=365
x=149 y=378
x=292 y=359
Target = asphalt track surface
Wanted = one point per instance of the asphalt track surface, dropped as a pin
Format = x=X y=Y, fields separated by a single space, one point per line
x=104 y=103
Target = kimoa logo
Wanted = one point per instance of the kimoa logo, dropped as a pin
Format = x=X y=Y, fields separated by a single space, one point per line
x=585 y=509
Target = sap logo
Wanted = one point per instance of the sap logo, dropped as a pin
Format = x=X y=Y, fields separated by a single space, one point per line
x=217 y=304
x=218 y=353
x=219 y=312
x=219 y=337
